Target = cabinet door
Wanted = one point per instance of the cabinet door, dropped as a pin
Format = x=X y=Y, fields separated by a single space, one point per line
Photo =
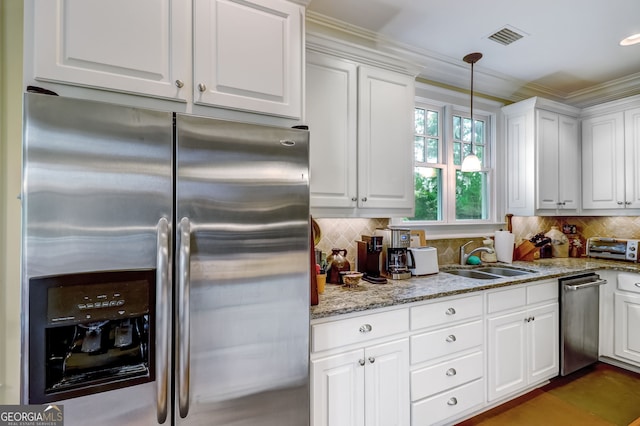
x=548 y=161
x=603 y=162
x=569 y=163
x=506 y=354
x=248 y=55
x=140 y=47
x=386 y=380
x=632 y=157
x=543 y=346
x=385 y=139
x=337 y=390
x=520 y=185
x=627 y=324
x=331 y=110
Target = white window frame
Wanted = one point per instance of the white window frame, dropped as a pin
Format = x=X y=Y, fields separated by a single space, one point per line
x=450 y=103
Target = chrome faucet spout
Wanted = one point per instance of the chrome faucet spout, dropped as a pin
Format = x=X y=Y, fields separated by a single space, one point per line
x=465 y=256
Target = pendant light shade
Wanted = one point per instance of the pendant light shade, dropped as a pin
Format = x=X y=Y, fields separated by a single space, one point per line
x=471 y=162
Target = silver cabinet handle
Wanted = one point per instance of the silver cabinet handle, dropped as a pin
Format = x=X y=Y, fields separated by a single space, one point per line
x=202 y=87
x=163 y=331
x=627 y=203
x=366 y=328
x=451 y=338
x=179 y=84
x=452 y=401
x=533 y=318
x=451 y=372
x=372 y=359
x=619 y=203
x=451 y=311
x=354 y=198
x=637 y=284
x=361 y=361
x=184 y=285
x=364 y=199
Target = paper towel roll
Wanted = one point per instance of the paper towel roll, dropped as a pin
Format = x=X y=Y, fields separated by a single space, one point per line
x=504 y=246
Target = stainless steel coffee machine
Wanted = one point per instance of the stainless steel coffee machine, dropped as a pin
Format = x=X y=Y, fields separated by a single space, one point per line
x=395 y=243
x=369 y=250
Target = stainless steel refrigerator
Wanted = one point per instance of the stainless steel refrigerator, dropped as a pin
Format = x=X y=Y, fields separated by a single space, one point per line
x=165 y=267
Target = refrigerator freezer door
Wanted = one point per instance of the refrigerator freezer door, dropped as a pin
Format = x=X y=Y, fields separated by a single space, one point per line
x=97 y=181
x=243 y=191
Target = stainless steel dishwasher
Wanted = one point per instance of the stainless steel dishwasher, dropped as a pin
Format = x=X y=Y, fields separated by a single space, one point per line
x=579 y=321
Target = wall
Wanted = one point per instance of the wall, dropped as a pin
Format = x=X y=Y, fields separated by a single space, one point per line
x=10 y=177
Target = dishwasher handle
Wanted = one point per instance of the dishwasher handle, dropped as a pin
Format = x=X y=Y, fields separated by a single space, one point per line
x=585 y=285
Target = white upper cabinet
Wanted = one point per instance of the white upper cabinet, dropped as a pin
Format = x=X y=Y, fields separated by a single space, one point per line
x=140 y=47
x=361 y=121
x=231 y=54
x=248 y=55
x=543 y=143
x=611 y=157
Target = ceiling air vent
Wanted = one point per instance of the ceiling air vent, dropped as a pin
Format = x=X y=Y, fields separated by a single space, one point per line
x=506 y=36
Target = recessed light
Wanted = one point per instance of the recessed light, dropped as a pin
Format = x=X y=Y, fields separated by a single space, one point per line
x=633 y=39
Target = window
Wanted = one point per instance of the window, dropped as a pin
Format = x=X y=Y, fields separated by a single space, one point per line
x=442 y=139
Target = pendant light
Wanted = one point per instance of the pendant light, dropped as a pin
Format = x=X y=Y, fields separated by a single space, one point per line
x=471 y=162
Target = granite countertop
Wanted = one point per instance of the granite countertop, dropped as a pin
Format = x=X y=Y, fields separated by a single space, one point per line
x=337 y=300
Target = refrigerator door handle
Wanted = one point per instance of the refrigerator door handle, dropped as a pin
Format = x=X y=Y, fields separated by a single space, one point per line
x=183 y=361
x=162 y=318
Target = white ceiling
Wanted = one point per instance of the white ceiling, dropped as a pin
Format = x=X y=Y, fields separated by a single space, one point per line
x=570 y=51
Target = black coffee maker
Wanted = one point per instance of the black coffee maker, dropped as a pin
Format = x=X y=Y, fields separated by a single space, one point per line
x=369 y=250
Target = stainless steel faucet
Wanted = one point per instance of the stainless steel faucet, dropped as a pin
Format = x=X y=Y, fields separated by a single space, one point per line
x=465 y=256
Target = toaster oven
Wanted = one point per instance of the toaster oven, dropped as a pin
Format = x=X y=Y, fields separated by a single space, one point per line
x=613 y=248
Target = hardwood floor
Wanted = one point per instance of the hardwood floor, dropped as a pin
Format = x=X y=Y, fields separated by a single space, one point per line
x=599 y=395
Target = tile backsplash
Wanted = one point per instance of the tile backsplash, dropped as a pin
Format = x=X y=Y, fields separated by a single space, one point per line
x=343 y=233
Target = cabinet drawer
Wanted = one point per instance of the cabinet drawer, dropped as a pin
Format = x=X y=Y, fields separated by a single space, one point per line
x=440 y=313
x=506 y=299
x=449 y=404
x=446 y=375
x=629 y=282
x=334 y=334
x=445 y=341
x=546 y=291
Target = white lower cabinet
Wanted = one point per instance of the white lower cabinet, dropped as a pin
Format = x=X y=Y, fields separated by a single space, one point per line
x=627 y=326
x=447 y=359
x=368 y=386
x=360 y=370
x=436 y=362
x=522 y=344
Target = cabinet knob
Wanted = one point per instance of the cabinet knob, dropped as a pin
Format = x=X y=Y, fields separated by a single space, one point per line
x=451 y=372
x=451 y=338
x=364 y=199
x=637 y=284
x=202 y=87
x=179 y=84
x=626 y=203
x=366 y=328
x=354 y=198
x=452 y=401
x=533 y=318
x=372 y=359
x=451 y=311
x=620 y=203
x=361 y=361
x=527 y=319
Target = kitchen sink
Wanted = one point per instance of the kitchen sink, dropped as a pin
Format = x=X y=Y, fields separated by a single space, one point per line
x=473 y=273
x=488 y=272
x=505 y=272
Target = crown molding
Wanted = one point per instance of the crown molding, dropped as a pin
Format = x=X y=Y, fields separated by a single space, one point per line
x=444 y=70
